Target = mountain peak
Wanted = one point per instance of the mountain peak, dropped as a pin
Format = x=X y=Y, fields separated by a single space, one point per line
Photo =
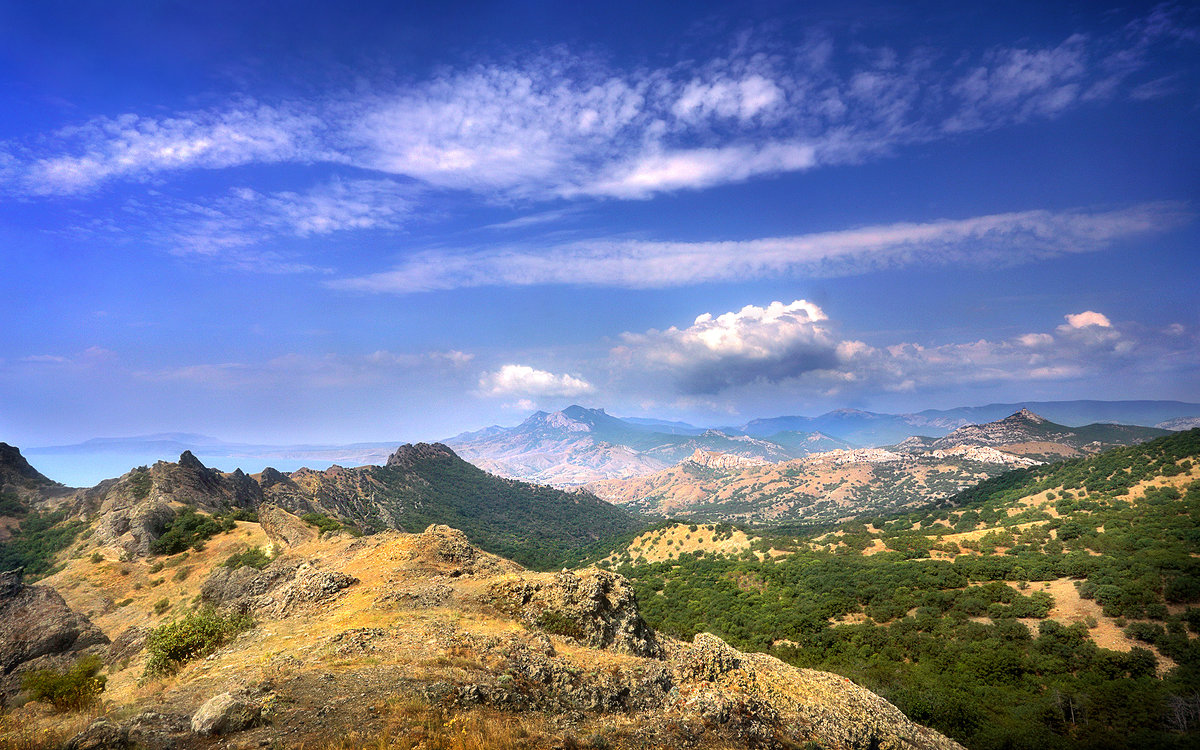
x=1026 y=416
x=16 y=470
x=410 y=454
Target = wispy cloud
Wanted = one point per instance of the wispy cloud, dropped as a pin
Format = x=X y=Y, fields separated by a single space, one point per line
x=552 y=125
x=985 y=240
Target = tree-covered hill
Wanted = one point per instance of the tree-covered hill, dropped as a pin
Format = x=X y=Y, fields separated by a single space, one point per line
x=1056 y=606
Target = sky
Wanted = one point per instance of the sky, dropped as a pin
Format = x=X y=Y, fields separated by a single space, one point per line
x=337 y=222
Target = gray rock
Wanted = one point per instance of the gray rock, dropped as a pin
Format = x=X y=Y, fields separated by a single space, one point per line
x=101 y=734
x=226 y=713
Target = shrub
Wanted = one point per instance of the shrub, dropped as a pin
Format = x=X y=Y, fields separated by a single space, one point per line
x=182 y=573
x=253 y=558
x=200 y=633
x=188 y=529
x=75 y=689
x=162 y=605
x=97 y=558
x=323 y=522
x=140 y=483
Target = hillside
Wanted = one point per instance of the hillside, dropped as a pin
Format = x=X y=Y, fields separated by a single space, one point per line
x=394 y=640
x=827 y=486
x=1051 y=606
x=834 y=484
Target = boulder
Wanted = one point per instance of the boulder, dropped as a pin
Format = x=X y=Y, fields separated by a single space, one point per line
x=284 y=529
x=226 y=713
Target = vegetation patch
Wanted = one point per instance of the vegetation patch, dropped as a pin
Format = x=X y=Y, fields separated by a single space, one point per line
x=323 y=522
x=187 y=529
x=198 y=634
x=252 y=558
x=40 y=537
x=73 y=690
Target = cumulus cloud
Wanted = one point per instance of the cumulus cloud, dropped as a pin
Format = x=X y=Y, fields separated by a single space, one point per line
x=999 y=239
x=767 y=344
x=1088 y=318
x=794 y=346
x=527 y=382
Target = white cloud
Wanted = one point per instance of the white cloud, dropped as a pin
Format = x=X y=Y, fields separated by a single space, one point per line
x=793 y=347
x=1000 y=239
x=768 y=344
x=528 y=382
x=1088 y=318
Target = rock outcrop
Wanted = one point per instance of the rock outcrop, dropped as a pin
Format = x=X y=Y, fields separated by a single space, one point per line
x=284 y=529
x=595 y=607
x=37 y=629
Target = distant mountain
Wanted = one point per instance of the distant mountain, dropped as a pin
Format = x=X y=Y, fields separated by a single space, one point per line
x=1027 y=434
x=1180 y=424
x=579 y=445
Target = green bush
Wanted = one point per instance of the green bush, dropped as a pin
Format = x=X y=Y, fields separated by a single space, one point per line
x=75 y=689
x=253 y=558
x=162 y=605
x=188 y=529
x=140 y=483
x=323 y=522
x=200 y=633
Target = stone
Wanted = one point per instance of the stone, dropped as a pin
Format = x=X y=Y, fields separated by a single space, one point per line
x=226 y=713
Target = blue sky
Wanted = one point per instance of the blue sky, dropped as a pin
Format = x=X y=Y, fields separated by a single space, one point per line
x=304 y=222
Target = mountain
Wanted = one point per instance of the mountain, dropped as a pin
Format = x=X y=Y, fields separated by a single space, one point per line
x=579 y=445
x=396 y=640
x=16 y=474
x=1180 y=423
x=861 y=428
x=1028 y=434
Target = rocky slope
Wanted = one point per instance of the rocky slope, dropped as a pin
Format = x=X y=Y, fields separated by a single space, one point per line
x=425 y=640
x=579 y=445
x=1028 y=434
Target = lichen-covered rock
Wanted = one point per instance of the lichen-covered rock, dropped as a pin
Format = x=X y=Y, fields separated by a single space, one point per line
x=761 y=697
x=35 y=622
x=284 y=529
x=226 y=713
x=101 y=734
x=282 y=588
x=595 y=607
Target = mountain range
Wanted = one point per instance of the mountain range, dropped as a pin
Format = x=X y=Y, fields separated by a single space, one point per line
x=578 y=445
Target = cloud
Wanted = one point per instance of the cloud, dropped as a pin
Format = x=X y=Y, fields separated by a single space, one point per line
x=528 y=382
x=555 y=124
x=999 y=239
x=78 y=159
x=299 y=370
x=793 y=348
x=766 y=344
x=1088 y=318
x=235 y=228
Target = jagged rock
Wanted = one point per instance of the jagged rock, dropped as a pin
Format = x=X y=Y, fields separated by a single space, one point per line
x=10 y=583
x=35 y=621
x=762 y=697
x=446 y=551
x=101 y=734
x=282 y=588
x=226 y=713
x=284 y=529
x=593 y=606
x=408 y=455
x=133 y=526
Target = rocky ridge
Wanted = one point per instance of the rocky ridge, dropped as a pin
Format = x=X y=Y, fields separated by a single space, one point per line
x=356 y=635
